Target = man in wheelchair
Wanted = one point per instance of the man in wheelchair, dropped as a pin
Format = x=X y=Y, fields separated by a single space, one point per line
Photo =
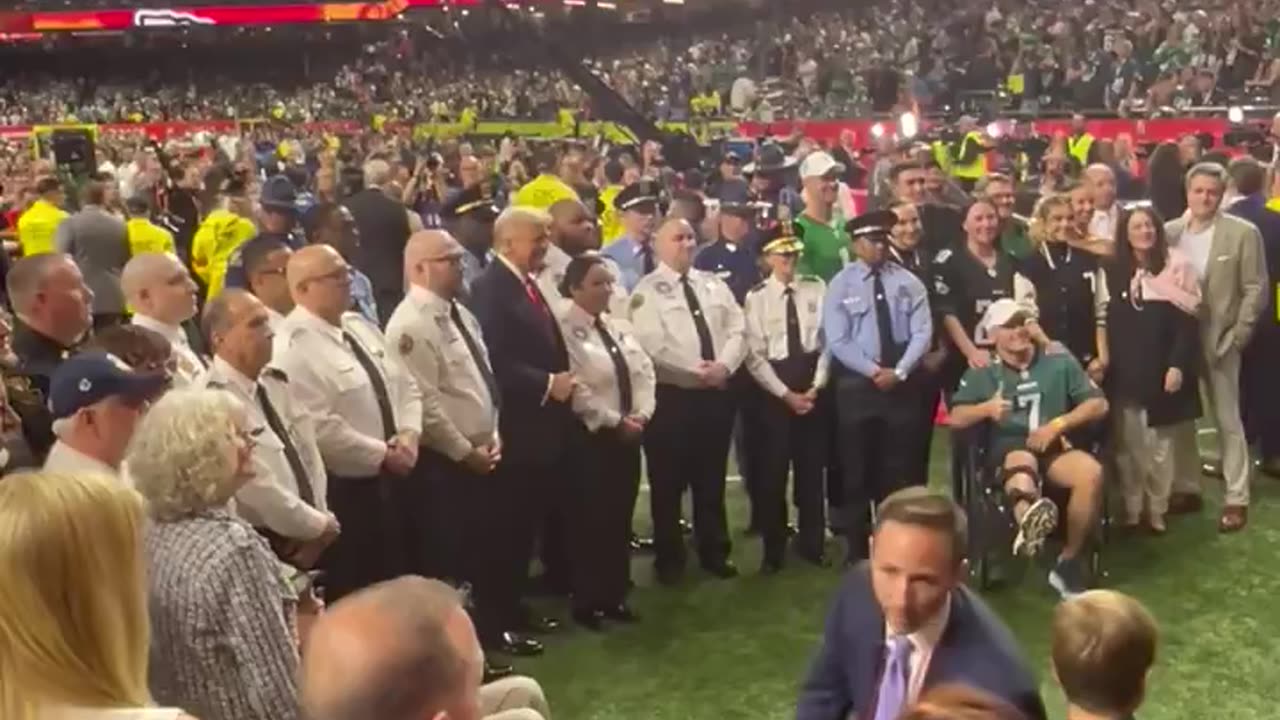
x=1034 y=399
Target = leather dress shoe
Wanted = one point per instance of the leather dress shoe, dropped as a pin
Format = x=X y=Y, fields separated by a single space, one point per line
x=641 y=544
x=496 y=671
x=817 y=559
x=592 y=620
x=723 y=569
x=539 y=625
x=1211 y=469
x=621 y=613
x=686 y=527
x=515 y=644
x=791 y=530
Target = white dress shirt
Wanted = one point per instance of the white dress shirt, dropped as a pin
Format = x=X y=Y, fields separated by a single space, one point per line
x=597 y=395
x=923 y=641
x=190 y=366
x=554 y=266
x=1103 y=224
x=63 y=458
x=666 y=330
x=765 y=310
x=334 y=388
x=274 y=320
x=457 y=408
x=272 y=499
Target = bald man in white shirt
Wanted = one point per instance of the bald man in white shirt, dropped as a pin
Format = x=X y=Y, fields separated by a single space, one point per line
x=163 y=296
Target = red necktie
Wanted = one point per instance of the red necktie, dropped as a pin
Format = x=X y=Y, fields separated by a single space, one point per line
x=535 y=297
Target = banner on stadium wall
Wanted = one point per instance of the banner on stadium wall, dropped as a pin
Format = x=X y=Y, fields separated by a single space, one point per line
x=1140 y=130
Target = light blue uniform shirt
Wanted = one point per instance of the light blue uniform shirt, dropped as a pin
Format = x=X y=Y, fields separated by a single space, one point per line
x=627 y=253
x=849 y=317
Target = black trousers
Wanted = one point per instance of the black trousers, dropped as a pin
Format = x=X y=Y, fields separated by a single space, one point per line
x=929 y=391
x=687 y=446
x=834 y=467
x=602 y=497
x=878 y=451
x=791 y=445
x=474 y=537
x=1260 y=391
x=746 y=431
x=373 y=544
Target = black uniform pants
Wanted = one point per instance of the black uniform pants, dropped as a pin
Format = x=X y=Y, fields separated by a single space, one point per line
x=529 y=491
x=602 y=496
x=746 y=431
x=929 y=391
x=793 y=445
x=474 y=525
x=878 y=451
x=687 y=446
x=372 y=546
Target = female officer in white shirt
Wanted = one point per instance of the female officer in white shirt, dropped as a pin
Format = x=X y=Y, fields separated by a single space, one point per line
x=614 y=398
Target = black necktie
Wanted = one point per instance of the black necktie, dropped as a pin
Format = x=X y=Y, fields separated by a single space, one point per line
x=619 y=367
x=889 y=353
x=476 y=355
x=705 y=347
x=303 y=480
x=794 y=347
x=379 y=385
x=646 y=257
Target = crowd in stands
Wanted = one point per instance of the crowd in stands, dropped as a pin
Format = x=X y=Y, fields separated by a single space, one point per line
x=1110 y=56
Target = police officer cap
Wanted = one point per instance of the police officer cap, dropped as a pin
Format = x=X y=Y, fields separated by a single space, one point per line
x=744 y=210
x=874 y=226
x=639 y=196
x=279 y=194
x=783 y=240
x=474 y=202
x=90 y=377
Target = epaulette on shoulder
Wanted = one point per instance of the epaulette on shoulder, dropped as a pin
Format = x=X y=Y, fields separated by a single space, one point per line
x=216 y=384
x=758 y=286
x=275 y=373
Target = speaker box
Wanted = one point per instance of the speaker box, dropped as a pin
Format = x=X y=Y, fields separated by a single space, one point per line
x=74 y=150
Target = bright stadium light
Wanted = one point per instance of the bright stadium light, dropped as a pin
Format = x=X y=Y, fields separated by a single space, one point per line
x=877 y=131
x=1235 y=114
x=908 y=125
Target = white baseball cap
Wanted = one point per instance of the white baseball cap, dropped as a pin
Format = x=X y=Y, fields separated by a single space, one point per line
x=1000 y=312
x=819 y=164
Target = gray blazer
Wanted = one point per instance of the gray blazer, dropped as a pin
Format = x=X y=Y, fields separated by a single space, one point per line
x=99 y=243
x=1234 y=284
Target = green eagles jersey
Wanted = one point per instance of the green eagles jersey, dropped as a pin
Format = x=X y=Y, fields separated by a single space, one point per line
x=1049 y=388
x=826 y=249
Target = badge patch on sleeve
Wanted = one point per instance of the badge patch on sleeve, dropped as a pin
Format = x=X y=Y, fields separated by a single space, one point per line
x=406 y=344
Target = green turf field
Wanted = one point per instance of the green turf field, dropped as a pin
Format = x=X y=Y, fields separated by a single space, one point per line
x=737 y=649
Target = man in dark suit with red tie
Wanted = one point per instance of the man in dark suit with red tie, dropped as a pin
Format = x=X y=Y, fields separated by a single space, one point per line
x=904 y=622
x=531 y=366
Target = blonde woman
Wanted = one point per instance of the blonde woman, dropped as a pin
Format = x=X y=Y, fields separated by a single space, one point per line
x=1069 y=287
x=73 y=608
x=222 y=614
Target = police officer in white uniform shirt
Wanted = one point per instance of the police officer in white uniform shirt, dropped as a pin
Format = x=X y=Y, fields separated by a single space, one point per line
x=784 y=324
x=163 y=296
x=614 y=399
x=286 y=499
x=691 y=326
x=573 y=233
x=435 y=339
x=368 y=418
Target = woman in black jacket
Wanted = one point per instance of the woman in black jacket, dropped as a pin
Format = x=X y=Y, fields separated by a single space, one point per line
x=1153 y=336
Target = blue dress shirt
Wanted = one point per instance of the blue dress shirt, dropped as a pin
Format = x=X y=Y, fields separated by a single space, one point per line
x=626 y=252
x=849 y=317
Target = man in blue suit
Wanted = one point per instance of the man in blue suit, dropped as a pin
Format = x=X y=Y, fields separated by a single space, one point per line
x=1258 y=385
x=903 y=622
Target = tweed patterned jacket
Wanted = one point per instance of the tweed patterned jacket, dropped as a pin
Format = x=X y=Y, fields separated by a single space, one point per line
x=223 y=640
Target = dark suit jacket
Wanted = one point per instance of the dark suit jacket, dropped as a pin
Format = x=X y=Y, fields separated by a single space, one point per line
x=1254 y=209
x=525 y=350
x=975 y=649
x=384 y=231
x=38 y=357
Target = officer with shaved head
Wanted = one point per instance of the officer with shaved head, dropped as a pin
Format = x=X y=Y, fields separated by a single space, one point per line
x=163 y=297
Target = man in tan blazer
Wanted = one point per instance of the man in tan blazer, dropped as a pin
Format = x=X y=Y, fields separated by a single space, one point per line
x=1227 y=253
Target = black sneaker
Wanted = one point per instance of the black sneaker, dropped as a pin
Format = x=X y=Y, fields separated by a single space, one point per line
x=1068 y=578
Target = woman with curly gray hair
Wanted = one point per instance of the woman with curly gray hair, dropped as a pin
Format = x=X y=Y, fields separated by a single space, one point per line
x=222 y=613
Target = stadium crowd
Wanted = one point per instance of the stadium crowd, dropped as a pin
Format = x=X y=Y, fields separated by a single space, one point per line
x=1107 y=56
x=289 y=417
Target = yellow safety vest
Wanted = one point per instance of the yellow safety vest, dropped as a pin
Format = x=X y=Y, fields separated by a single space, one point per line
x=941 y=155
x=975 y=169
x=1078 y=148
x=37 y=227
x=146 y=237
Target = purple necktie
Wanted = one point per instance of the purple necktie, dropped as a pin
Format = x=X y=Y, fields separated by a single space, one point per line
x=892 y=698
